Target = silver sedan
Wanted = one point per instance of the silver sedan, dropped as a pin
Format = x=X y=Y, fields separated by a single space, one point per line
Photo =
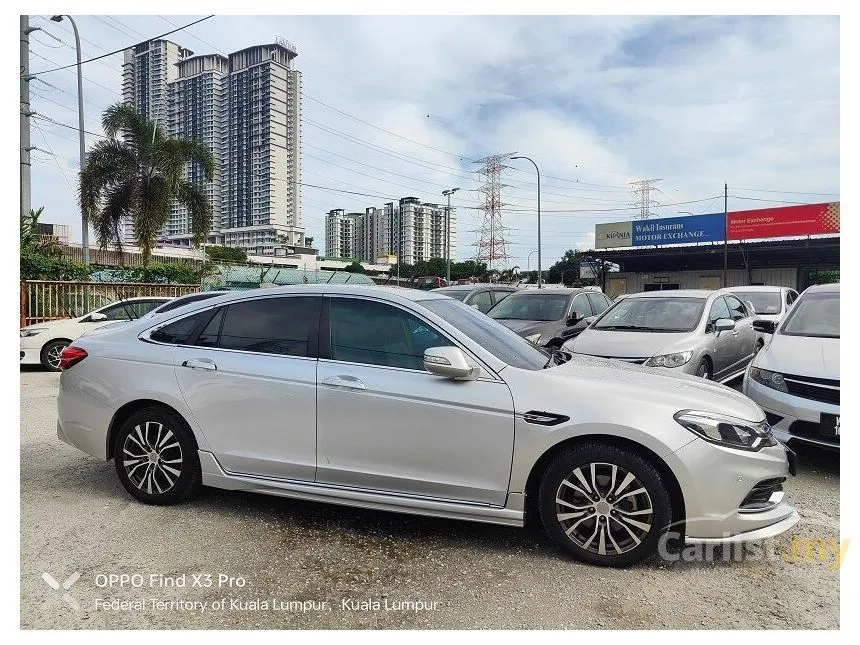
x=409 y=401
x=704 y=333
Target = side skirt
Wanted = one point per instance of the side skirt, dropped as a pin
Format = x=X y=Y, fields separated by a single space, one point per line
x=217 y=477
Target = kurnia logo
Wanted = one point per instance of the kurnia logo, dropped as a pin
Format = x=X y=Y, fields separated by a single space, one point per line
x=618 y=235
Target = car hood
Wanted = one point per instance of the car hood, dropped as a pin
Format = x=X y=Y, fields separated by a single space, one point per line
x=676 y=389
x=52 y=323
x=801 y=355
x=523 y=326
x=629 y=344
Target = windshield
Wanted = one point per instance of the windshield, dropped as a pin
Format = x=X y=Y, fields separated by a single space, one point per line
x=663 y=314
x=497 y=339
x=459 y=294
x=815 y=314
x=765 y=302
x=542 y=307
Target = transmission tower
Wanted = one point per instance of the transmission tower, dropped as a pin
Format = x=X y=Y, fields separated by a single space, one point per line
x=642 y=191
x=492 y=246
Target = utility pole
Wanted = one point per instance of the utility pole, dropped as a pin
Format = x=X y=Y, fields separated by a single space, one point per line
x=726 y=235
x=85 y=229
x=447 y=193
x=26 y=201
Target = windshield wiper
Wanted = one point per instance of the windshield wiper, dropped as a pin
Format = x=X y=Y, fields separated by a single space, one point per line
x=626 y=327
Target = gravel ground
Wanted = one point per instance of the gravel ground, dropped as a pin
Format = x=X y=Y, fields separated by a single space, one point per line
x=75 y=517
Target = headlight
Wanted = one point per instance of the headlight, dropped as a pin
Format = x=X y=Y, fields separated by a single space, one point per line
x=534 y=338
x=727 y=431
x=31 y=331
x=768 y=379
x=669 y=360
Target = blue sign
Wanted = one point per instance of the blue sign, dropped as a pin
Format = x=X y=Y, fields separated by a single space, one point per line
x=679 y=230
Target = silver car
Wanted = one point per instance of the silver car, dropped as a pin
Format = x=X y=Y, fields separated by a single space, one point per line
x=770 y=303
x=795 y=378
x=705 y=333
x=409 y=401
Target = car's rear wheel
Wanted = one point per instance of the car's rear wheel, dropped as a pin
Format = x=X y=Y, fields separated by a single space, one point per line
x=51 y=353
x=704 y=370
x=604 y=504
x=156 y=457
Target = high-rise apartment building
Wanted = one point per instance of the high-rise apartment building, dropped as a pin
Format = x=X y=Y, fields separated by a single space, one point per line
x=342 y=234
x=196 y=105
x=246 y=108
x=263 y=156
x=414 y=231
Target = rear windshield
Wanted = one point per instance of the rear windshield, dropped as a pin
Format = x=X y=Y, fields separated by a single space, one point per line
x=765 y=302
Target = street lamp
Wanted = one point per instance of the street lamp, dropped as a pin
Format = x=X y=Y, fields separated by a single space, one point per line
x=537 y=170
x=529 y=259
x=447 y=193
x=85 y=233
x=685 y=213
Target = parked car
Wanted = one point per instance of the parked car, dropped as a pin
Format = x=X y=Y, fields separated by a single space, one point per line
x=549 y=317
x=409 y=401
x=770 y=303
x=704 y=333
x=42 y=343
x=429 y=282
x=480 y=296
x=181 y=301
x=795 y=378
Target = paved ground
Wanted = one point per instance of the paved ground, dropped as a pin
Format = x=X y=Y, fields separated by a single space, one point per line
x=75 y=517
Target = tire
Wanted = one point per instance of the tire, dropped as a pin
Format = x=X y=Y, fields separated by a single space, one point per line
x=705 y=370
x=583 y=533
x=155 y=455
x=50 y=354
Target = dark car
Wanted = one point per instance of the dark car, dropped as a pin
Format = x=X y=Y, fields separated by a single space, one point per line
x=482 y=297
x=549 y=317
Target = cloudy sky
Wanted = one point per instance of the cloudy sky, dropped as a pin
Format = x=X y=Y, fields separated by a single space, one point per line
x=403 y=106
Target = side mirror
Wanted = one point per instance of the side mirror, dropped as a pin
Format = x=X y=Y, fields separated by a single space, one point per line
x=449 y=362
x=97 y=317
x=572 y=319
x=724 y=324
x=764 y=326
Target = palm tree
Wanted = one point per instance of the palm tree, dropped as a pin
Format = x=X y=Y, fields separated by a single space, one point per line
x=136 y=174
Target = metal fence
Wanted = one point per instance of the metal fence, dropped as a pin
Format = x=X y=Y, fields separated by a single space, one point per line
x=43 y=300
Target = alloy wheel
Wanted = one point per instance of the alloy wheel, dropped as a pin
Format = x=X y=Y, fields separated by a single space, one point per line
x=53 y=355
x=152 y=457
x=604 y=509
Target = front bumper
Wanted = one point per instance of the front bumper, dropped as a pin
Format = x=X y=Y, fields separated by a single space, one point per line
x=31 y=350
x=716 y=480
x=793 y=419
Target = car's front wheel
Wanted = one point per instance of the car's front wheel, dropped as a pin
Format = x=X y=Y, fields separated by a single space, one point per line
x=604 y=504
x=156 y=457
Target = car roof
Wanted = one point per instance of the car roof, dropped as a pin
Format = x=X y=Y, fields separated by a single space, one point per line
x=672 y=293
x=823 y=288
x=389 y=293
x=752 y=288
x=138 y=299
x=552 y=291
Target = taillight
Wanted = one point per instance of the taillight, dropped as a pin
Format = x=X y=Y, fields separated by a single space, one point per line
x=71 y=356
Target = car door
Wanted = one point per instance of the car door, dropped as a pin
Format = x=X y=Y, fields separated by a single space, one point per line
x=386 y=424
x=249 y=377
x=743 y=332
x=723 y=345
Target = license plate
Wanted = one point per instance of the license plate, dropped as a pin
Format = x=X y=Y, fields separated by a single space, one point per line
x=830 y=425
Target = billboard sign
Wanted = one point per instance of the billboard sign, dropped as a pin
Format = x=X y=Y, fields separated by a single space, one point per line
x=786 y=221
x=610 y=236
x=679 y=230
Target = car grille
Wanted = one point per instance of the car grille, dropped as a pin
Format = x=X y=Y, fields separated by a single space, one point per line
x=811 y=430
x=637 y=361
x=815 y=389
x=758 y=499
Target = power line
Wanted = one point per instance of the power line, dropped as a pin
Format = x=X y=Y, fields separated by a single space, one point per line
x=51 y=152
x=90 y=60
x=70 y=127
x=113 y=91
x=784 y=192
x=772 y=201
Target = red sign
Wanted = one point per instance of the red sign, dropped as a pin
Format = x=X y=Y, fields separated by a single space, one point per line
x=787 y=221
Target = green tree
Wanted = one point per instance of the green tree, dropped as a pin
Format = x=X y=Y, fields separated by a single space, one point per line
x=354 y=267
x=226 y=253
x=309 y=242
x=136 y=174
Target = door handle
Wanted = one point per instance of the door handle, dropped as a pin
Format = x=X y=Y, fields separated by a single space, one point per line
x=200 y=364
x=343 y=380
